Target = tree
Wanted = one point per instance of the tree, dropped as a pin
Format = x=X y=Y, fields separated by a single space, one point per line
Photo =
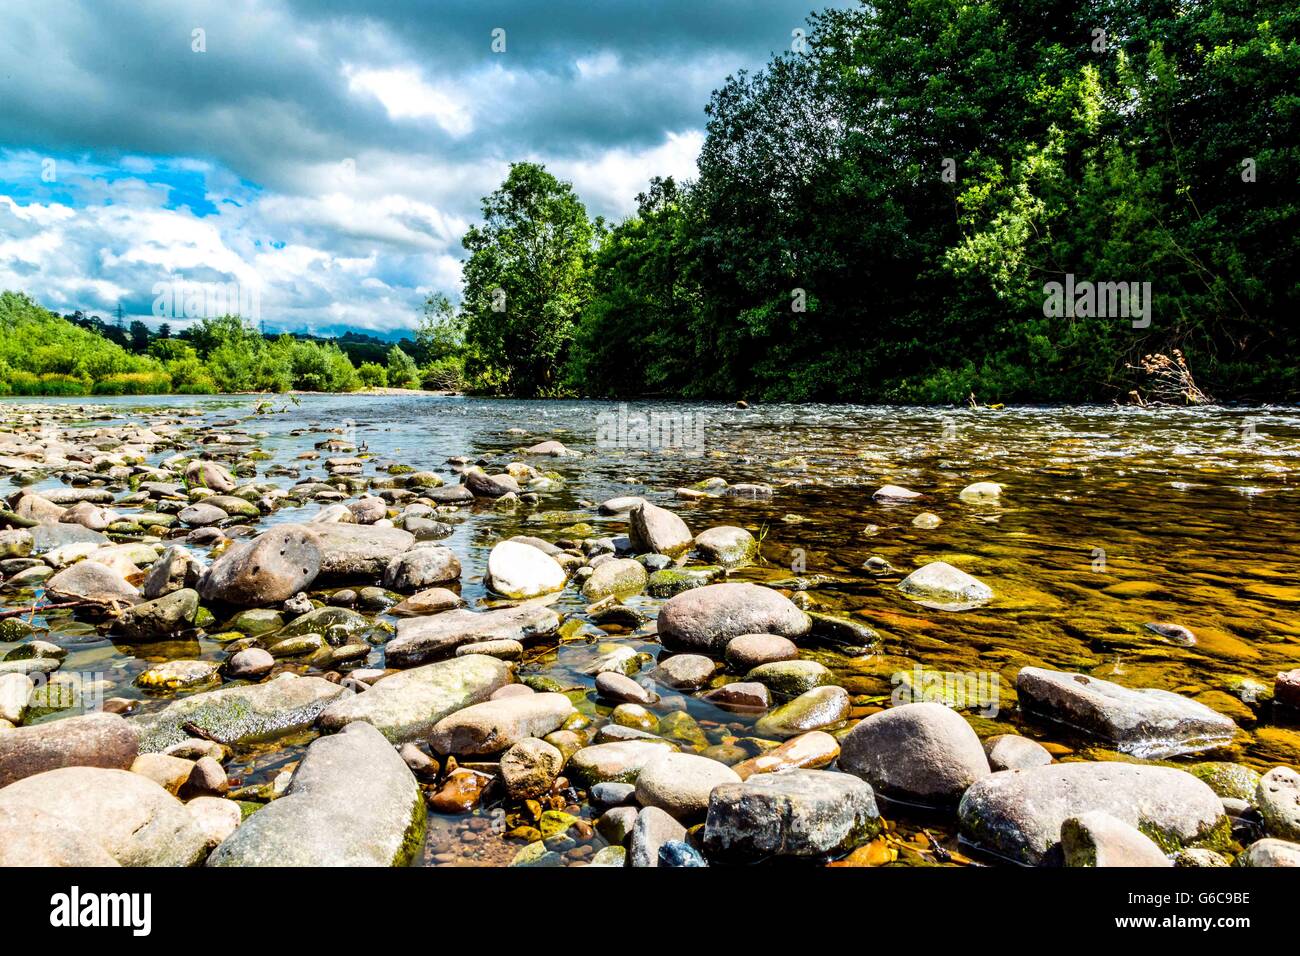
x=402 y=370
x=525 y=282
x=373 y=375
x=139 y=333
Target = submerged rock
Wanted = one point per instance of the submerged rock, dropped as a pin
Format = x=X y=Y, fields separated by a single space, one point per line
x=240 y=714
x=407 y=705
x=130 y=817
x=811 y=710
x=1145 y=723
x=423 y=639
x=1017 y=814
x=351 y=802
x=941 y=586
x=799 y=813
x=707 y=618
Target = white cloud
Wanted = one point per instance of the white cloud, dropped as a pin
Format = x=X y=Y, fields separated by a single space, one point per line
x=405 y=94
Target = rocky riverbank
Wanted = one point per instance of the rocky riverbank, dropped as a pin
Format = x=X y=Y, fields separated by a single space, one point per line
x=223 y=647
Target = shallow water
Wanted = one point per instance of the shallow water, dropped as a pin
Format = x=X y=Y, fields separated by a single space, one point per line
x=1110 y=518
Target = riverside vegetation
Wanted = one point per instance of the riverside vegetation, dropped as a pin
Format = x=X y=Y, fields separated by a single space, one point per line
x=473 y=632
x=877 y=217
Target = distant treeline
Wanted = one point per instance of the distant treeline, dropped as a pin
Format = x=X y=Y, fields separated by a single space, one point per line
x=42 y=353
x=881 y=212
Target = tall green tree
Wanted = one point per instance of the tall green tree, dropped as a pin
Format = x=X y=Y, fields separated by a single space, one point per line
x=525 y=282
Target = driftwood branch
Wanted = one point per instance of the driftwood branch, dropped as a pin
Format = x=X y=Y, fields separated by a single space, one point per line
x=36 y=608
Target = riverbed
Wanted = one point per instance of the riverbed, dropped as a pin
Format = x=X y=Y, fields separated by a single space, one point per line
x=1108 y=519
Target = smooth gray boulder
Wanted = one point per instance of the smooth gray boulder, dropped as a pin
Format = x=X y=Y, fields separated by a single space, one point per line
x=133 y=819
x=705 y=619
x=428 y=638
x=351 y=802
x=680 y=784
x=657 y=530
x=1017 y=814
x=923 y=754
x=405 y=706
x=653 y=828
x=795 y=813
x=1270 y=852
x=621 y=576
x=1278 y=800
x=616 y=762
x=496 y=725
x=240 y=714
x=358 y=551
x=89 y=740
x=727 y=546
x=31 y=837
x=93 y=582
x=420 y=568
x=271 y=568
x=1098 y=839
x=1146 y=723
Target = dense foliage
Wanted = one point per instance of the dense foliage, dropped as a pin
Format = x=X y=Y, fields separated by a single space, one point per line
x=877 y=215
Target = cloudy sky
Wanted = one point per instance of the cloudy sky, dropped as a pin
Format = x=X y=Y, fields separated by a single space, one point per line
x=327 y=157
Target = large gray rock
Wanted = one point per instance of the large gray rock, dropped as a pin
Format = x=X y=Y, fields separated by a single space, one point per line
x=617 y=762
x=519 y=570
x=421 y=568
x=653 y=828
x=1098 y=839
x=130 y=817
x=1145 y=723
x=176 y=568
x=405 y=706
x=495 y=725
x=1270 y=852
x=90 y=740
x=351 y=802
x=31 y=837
x=210 y=474
x=273 y=567
x=727 y=546
x=621 y=576
x=707 y=618
x=940 y=585
x=1278 y=799
x=160 y=618
x=240 y=714
x=358 y=551
x=93 y=582
x=680 y=784
x=924 y=754
x=423 y=639
x=482 y=485
x=657 y=530
x=796 y=813
x=1017 y=814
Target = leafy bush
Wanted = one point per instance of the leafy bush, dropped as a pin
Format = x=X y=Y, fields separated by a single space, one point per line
x=373 y=375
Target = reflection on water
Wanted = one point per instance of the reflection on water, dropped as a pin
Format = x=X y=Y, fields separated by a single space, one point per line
x=1110 y=518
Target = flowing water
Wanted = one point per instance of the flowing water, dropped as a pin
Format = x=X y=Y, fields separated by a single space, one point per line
x=1109 y=519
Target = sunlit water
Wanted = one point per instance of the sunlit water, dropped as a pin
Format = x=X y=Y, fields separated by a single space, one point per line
x=1110 y=518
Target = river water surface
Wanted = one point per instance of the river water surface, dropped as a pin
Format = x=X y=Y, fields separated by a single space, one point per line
x=1109 y=518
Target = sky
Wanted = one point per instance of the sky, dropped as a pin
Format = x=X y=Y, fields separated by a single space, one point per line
x=323 y=158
